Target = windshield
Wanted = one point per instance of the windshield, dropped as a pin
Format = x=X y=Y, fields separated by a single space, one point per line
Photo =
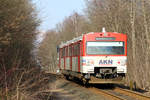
x=105 y=48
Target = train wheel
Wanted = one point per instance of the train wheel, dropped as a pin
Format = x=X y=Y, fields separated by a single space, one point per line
x=85 y=82
x=67 y=77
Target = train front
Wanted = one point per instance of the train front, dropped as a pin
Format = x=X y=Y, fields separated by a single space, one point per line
x=104 y=57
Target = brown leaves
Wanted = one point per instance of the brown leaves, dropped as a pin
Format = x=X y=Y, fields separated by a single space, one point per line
x=17 y=31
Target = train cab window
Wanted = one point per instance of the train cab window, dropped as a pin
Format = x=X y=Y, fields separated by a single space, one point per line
x=105 y=48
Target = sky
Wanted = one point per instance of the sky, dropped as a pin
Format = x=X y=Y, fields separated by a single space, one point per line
x=52 y=12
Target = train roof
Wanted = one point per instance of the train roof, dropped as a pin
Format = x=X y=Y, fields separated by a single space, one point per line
x=80 y=38
x=71 y=41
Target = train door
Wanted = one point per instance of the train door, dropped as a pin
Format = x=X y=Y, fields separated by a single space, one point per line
x=60 y=54
x=81 y=56
x=70 y=56
x=78 y=54
x=59 y=60
x=63 y=58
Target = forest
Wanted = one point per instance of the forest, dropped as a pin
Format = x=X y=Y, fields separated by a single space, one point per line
x=22 y=61
x=131 y=17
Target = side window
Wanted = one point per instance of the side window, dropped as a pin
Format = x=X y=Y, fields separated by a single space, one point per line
x=70 y=50
x=81 y=49
x=63 y=52
x=76 y=49
x=66 y=49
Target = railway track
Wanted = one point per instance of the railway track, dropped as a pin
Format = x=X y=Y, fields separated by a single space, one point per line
x=136 y=95
x=106 y=94
x=119 y=94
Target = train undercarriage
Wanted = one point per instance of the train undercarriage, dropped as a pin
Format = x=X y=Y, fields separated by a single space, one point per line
x=101 y=75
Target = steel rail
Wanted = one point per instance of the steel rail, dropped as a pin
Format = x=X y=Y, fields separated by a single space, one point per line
x=106 y=94
x=131 y=93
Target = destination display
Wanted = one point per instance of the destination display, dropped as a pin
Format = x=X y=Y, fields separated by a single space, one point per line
x=105 y=38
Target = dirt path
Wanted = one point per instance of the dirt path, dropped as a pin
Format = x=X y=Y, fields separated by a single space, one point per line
x=61 y=89
x=66 y=90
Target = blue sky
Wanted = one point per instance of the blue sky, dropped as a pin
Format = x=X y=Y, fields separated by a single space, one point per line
x=54 y=11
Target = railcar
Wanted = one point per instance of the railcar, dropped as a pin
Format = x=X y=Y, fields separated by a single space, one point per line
x=95 y=57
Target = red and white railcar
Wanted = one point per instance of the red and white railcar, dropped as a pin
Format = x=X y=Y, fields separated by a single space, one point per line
x=96 y=57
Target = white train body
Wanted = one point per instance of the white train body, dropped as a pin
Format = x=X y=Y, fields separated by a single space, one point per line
x=100 y=55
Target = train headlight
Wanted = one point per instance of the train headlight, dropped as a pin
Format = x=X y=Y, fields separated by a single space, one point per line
x=123 y=62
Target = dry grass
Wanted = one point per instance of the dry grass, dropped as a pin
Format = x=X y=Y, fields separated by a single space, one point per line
x=29 y=85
